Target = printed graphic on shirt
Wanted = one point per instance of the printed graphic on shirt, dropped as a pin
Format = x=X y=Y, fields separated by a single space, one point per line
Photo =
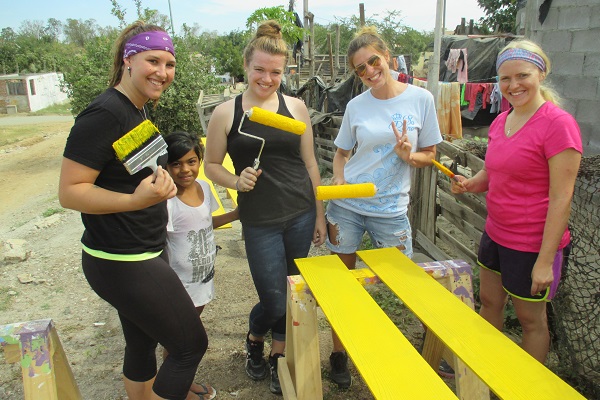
x=201 y=255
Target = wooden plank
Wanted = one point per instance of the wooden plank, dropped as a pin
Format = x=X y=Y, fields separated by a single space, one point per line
x=435 y=252
x=461 y=211
x=475 y=201
x=231 y=193
x=302 y=360
x=392 y=369
x=458 y=246
x=506 y=368
x=469 y=230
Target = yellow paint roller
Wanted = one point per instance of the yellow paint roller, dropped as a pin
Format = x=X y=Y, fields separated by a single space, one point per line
x=349 y=190
x=275 y=120
x=272 y=119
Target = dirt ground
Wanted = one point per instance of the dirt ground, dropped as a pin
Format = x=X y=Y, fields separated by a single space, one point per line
x=50 y=284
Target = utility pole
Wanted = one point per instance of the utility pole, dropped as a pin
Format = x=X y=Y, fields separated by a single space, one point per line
x=171 y=16
x=433 y=75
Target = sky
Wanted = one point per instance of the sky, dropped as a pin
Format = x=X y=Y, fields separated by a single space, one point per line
x=227 y=15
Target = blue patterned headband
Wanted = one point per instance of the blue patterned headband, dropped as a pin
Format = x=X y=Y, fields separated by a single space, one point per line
x=521 y=54
x=151 y=40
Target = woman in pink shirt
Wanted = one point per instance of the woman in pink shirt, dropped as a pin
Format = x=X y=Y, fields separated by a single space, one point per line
x=531 y=165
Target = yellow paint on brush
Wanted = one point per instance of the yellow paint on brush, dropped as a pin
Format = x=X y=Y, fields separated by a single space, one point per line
x=275 y=120
x=347 y=191
x=134 y=139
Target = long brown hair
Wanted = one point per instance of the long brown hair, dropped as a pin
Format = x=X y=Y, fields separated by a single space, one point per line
x=135 y=28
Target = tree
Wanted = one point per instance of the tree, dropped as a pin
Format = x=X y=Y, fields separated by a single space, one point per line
x=79 y=32
x=287 y=20
x=501 y=15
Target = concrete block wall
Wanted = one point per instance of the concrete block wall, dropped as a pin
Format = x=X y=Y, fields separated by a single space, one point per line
x=570 y=35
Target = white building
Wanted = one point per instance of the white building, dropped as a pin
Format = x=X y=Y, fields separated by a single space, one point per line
x=30 y=92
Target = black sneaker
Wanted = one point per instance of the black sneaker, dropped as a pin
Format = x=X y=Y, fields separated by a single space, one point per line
x=256 y=367
x=339 y=369
x=445 y=370
x=274 y=387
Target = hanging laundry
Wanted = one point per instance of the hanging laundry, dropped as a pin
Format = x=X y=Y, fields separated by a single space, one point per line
x=448 y=109
x=401 y=64
x=457 y=63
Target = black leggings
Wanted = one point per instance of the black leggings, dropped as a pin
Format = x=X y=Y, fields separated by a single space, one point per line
x=154 y=307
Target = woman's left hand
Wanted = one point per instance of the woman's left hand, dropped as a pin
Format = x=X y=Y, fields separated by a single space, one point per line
x=541 y=277
x=320 y=232
x=403 y=146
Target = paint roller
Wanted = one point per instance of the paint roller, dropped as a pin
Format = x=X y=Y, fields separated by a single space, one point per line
x=349 y=190
x=272 y=119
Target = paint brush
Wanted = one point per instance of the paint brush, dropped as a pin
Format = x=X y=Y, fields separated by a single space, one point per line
x=140 y=147
x=445 y=170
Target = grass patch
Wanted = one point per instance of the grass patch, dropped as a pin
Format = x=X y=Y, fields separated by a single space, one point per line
x=51 y=211
x=56 y=109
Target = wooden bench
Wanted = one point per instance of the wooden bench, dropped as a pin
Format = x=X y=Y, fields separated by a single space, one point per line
x=501 y=364
x=46 y=371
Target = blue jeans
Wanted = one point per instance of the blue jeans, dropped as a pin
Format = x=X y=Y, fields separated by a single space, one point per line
x=271 y=251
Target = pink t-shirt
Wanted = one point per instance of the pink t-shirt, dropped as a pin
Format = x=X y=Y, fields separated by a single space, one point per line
x=518 y=173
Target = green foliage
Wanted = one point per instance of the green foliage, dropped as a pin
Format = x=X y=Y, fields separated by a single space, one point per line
x=88 y=74
x=176 y=109
x=400 y=38
x=290 y=31
x=501 y=15
x=227 y=53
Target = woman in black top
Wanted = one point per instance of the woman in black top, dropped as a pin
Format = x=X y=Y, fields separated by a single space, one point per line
x=278 y=210
x=125 y=219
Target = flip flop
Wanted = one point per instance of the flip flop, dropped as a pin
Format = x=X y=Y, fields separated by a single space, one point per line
x=205 y=392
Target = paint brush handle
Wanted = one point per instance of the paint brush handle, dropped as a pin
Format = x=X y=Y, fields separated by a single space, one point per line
x=445 y=170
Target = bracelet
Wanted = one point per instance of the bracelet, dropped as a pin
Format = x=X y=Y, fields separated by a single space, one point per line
x=236 y=185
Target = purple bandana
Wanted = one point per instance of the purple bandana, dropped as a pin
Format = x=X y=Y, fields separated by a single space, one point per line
x=151 y=40
x=521 y=54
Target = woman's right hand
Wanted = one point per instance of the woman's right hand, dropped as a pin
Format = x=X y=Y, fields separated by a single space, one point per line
x=247 y=179
x=154 y=189
x=461 y=186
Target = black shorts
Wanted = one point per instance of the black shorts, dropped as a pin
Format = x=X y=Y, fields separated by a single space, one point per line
x=515 y=268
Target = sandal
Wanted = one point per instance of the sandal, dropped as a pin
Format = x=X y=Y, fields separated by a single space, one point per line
x=203 y=393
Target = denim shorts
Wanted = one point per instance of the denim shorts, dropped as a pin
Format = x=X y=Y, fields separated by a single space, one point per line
x=384 y=232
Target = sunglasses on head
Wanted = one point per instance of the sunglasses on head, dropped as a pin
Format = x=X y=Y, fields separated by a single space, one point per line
x=373 y=61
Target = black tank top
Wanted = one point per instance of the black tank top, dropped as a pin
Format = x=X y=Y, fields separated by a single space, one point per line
x=284 y=189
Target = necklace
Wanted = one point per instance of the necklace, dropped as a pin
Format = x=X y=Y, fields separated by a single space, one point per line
x=521 y=121
x=121 y=89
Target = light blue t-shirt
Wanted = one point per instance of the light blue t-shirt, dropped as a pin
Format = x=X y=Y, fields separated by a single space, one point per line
x=367 y=123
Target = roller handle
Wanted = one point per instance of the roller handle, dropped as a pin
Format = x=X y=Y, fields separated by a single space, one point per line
x=349 y=190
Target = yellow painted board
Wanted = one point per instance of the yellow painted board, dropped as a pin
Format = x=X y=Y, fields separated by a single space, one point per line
x=228 y=164
x=389 y=364
x=506 y=368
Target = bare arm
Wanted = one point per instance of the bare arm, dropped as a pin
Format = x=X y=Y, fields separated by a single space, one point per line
x=340 y=159
x=220 y=220
x=563 y=172
x=77 y=191
x=216 y=148
x=307 y=153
